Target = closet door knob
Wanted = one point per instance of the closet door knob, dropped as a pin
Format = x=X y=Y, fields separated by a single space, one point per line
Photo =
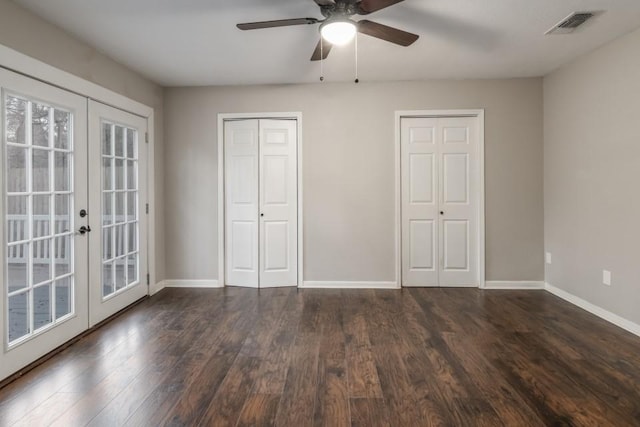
x=441 y=212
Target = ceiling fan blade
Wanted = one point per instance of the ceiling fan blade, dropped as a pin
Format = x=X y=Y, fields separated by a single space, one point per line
x=277 y=23
x=384 y=32
x=367 y=6
x=324 y=2
x=322 y=49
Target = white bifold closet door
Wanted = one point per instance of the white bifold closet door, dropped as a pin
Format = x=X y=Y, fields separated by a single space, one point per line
x=440 y=199
x=261 y=227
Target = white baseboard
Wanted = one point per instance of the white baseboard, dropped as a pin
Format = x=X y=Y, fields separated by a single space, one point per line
x=191 y=284
x=510 y=284
x=157 y=287
x=610 y=317
x=314 y=284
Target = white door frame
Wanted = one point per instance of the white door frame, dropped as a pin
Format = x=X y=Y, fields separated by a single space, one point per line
x=221 y=184
x=479 y=113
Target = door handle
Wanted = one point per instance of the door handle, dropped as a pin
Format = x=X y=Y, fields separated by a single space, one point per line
x=261 y=214
x=84 y=229
x=441 y=212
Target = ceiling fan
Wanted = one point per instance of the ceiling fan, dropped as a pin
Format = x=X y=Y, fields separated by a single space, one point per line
x=338 y=29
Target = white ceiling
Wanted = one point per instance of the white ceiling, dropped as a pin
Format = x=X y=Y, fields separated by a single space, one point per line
x=195 y=42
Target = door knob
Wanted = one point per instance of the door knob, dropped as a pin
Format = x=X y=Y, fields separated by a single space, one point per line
x=441 y=212
x=261 y=214
x=84 y=229
x=83 y=213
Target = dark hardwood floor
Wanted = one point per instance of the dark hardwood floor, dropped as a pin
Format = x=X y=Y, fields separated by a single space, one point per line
x=416 y=357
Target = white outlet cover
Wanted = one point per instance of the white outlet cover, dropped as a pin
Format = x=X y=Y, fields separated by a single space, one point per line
x=547 y=257
x=606 y=277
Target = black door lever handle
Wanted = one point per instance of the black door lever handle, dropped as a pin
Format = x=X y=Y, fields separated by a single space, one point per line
x=84 y=229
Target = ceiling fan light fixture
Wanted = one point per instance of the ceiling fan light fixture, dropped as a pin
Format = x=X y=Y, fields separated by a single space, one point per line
x=338 y=32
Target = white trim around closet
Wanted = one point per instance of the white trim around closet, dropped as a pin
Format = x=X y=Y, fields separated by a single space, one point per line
x=479 y=113
x=221 y=226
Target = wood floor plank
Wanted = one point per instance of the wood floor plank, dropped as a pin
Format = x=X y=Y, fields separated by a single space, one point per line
x=93 y=401
x=369 y=413
x=275 y=363
x=362 y=374
x=294 y=357
x=416 y=380
x=332 y=396
x=226 y=406
x=401 y=397
x=269 y=314
x=125 y=404
x=28 y=396
x=432 y=359
x=183 y=396
x=587 y=381
x=549 y=390
x=505 y=400
x=296 y=406
x=57 y=404
x=259 y=410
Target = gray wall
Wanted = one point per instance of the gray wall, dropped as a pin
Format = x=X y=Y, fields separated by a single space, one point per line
x=592 y=176
x=348 y=179
x=27 y=33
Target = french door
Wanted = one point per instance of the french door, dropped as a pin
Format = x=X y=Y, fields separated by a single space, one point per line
x=73 y=241
x=118 y=220
x=261 y=223
x=440 y=201
x=44 y=189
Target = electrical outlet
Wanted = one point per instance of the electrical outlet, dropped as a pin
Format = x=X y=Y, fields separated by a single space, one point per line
x=606 y=277
x=547 y=257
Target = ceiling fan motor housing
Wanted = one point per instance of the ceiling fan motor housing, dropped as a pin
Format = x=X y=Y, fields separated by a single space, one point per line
x=340 y=8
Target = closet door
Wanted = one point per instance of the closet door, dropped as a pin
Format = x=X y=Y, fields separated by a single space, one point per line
x=278 y=203
x=241 y=202
x=419 y=152
x=440 y=199
x=44 y=247
x=261 y=218
x=117 y=214
x=459 y=193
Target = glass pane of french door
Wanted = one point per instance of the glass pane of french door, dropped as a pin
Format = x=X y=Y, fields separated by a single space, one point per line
x=120 y=208
x=39 y=215
x=44 y=266
x=116 y=139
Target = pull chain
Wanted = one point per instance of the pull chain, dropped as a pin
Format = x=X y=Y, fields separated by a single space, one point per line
x=357 y=80
x=321 y=60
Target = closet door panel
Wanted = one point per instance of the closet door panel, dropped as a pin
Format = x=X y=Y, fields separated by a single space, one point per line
x=241 y=202
x=459 y=198
x=278 y=203
x=419 y=169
